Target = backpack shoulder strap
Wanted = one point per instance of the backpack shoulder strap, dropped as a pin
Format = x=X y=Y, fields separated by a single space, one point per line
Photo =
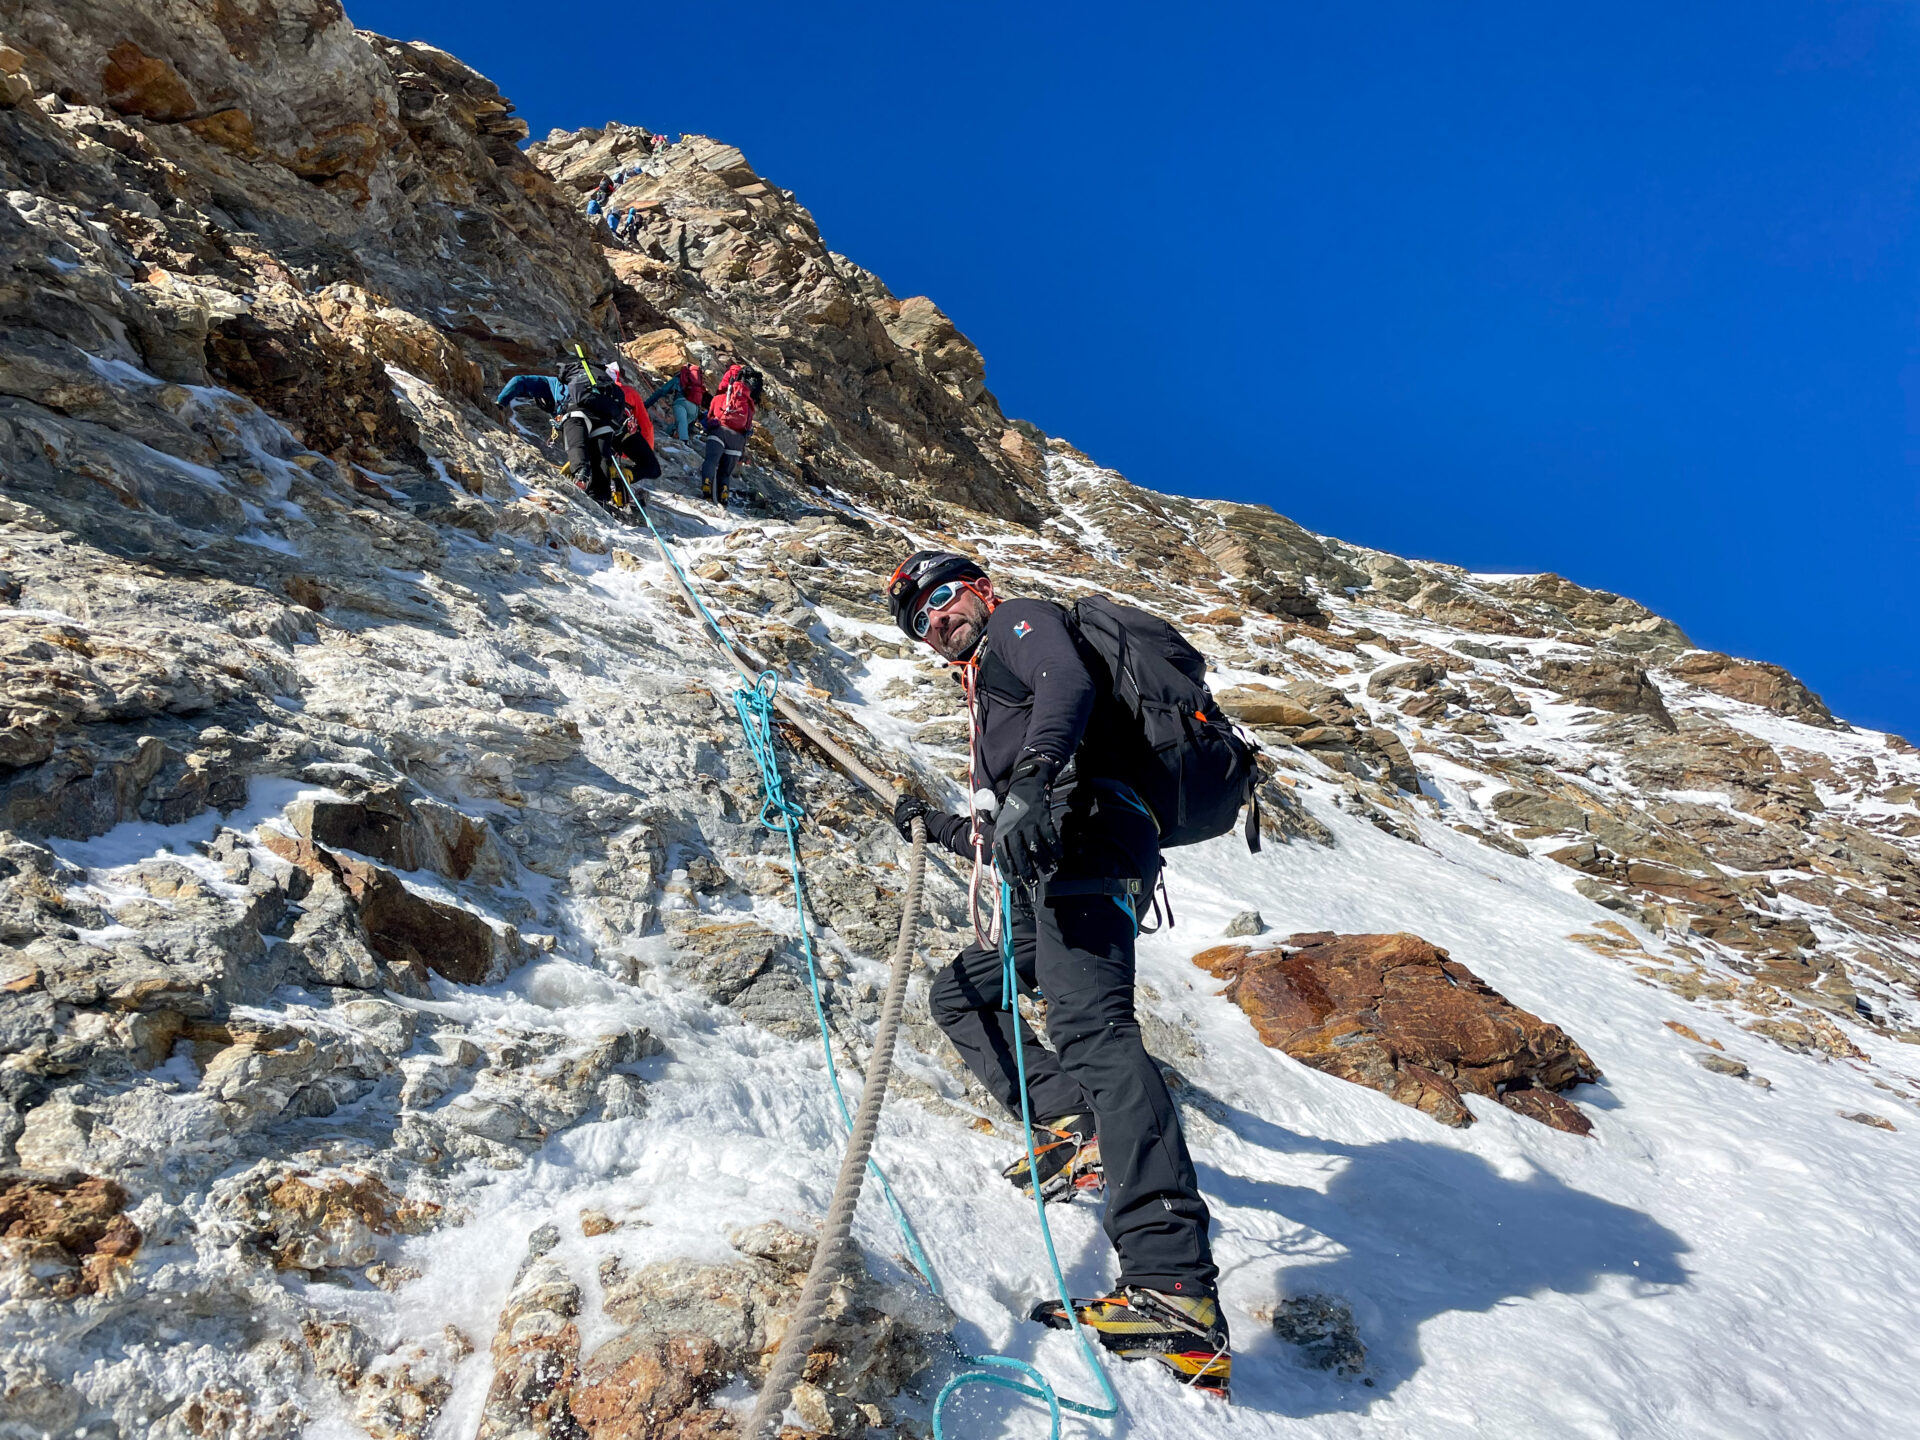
x=1103 y=638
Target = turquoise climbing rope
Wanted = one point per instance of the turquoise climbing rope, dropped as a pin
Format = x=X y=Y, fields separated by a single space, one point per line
x=1041 y=1388
x=782 y=814
x=685 y=579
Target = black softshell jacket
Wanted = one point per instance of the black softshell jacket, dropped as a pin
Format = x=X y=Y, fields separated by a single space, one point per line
x=1035 y=695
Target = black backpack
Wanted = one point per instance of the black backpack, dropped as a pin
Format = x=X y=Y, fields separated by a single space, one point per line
x=593 y=391
x=1198 y=770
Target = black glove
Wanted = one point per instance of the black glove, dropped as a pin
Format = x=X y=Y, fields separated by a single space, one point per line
x=1026 y=842
x=905 y=810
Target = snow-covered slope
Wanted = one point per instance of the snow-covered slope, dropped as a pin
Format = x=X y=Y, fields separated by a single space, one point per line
x=405 y=1026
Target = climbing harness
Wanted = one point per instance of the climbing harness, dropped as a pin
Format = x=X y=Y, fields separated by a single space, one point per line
x=755 y=702
x=986 y=935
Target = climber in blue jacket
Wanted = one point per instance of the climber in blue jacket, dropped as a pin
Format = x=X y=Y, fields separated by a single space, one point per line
x=543 y=390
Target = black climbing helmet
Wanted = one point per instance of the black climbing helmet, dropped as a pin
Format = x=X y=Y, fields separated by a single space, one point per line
x=919 y=573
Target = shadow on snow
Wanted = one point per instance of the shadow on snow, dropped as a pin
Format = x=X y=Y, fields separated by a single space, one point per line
x=1425 y=1229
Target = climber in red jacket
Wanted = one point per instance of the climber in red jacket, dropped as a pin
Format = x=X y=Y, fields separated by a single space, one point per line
x=634 y=438
x=729 y=422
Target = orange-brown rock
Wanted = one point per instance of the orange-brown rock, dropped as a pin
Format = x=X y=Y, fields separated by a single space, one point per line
x=662 y=351
x=404 y=928
x=67 y=1232
x=1755 y=682
x=401 y=338
x=1398 y=1015
x=136 y=83
x=1261 y=705
x=536 y=1351
x=324 y=1222
x=649 y=1389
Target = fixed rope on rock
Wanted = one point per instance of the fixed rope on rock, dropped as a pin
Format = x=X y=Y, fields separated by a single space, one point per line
x=782 y=815
x=755 y=703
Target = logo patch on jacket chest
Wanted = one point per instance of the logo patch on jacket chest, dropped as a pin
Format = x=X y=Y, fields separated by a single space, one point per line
x=1020 y=630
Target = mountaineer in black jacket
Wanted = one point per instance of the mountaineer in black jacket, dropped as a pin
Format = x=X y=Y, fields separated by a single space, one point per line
x=1080 y=853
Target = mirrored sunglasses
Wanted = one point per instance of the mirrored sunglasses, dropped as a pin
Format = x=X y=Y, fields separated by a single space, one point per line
x=938 y=598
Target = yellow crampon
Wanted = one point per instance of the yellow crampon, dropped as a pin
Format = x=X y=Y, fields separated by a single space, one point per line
x=1185 y=1334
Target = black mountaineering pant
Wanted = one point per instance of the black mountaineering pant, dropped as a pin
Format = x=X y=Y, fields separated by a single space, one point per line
x=642 y=463
x=1077 y=951
x=724 y=450
x=589 y=442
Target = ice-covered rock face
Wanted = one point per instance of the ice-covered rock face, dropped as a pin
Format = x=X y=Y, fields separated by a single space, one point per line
x=401 y=997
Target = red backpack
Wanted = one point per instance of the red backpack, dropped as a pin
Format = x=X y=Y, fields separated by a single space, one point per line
x=733 y=402
x=693 y=384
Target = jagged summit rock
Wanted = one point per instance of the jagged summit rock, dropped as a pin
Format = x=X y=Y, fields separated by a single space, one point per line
x=382 y=877
x=736 y=269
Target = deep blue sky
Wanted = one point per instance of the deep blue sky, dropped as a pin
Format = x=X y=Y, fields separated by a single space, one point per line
x=1629 y=292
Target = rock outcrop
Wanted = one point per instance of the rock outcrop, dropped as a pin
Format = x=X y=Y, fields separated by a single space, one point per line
x=1753 y=681
x=689 y=1330
x=735 y=269
x=64 y=1236
x=1398 y=1015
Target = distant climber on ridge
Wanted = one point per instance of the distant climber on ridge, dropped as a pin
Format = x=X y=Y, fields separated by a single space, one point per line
x=729 y=422
x=688 y=388
x=1078 y=847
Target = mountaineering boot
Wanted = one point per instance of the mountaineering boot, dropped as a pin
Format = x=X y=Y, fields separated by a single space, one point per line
x=1184 y=1333
x=1068 y=1153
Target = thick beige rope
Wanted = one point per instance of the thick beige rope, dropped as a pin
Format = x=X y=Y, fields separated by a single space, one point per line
x=830 y=1258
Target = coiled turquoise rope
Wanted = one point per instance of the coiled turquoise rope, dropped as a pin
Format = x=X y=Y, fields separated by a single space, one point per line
x=782 y=815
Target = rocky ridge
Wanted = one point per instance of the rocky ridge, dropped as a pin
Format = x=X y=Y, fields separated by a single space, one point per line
x=375 y=824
